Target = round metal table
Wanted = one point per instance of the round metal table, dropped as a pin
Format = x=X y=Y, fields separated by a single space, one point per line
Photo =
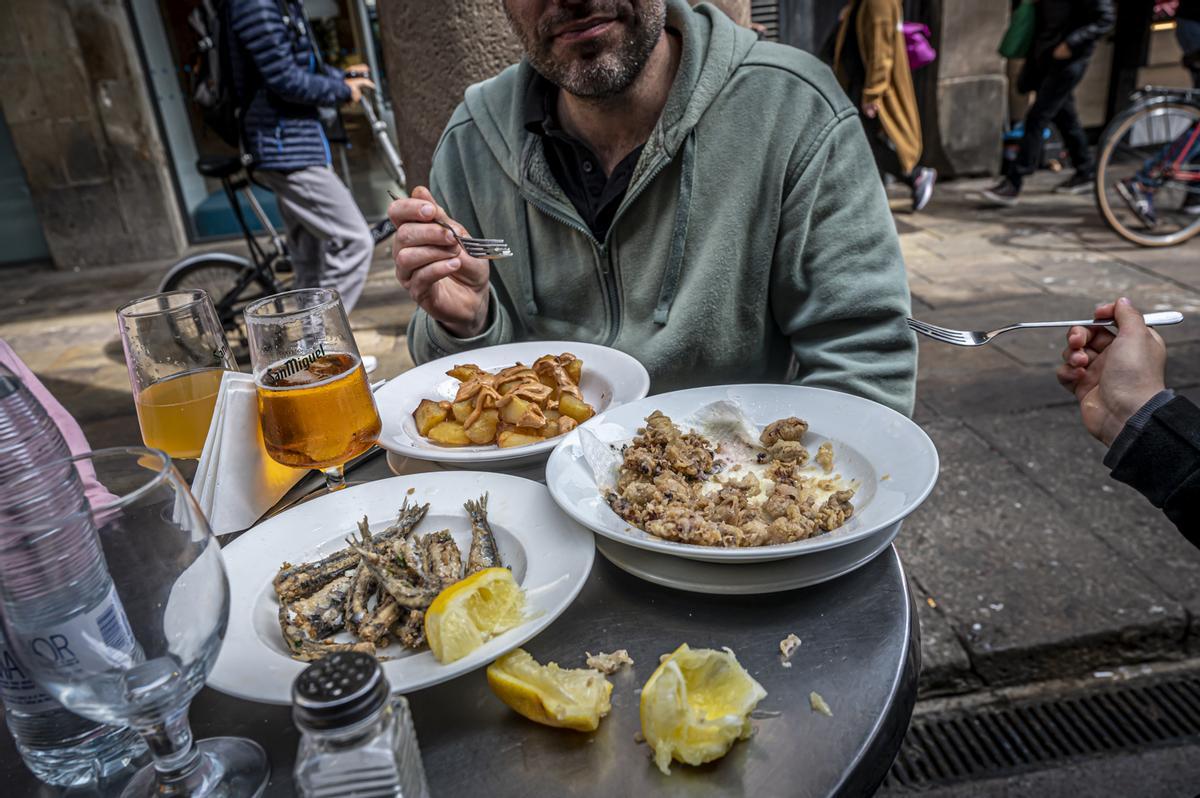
x=860 y=651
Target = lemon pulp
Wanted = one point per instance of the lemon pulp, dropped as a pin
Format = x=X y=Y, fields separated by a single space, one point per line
x=470 y=612
x=566 y=698
x=696 y=705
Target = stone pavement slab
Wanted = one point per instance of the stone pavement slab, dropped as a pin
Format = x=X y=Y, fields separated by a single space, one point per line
x=1025 y=585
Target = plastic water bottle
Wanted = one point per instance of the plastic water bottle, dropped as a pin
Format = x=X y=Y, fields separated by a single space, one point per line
x=60 y=747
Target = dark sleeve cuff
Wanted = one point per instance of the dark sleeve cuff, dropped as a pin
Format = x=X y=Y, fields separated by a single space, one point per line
x=1164 y=458
x=1134 y=426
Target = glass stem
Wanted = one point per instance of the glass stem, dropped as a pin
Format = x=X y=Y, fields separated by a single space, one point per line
x=181 y=768
x=335 y=478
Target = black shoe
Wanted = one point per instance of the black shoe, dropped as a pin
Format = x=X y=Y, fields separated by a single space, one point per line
x=922 y=189
x=1191 y=204
x=1076 y=184
x=1140 y=201
x=1003 y=193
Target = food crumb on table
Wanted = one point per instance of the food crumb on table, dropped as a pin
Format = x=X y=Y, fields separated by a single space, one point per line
x=818 y=704
x=787 y=647
x=609 y=663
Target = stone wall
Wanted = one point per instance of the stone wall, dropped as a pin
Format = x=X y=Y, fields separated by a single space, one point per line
x=76 y=101
x=433 y=52
x=964 y=93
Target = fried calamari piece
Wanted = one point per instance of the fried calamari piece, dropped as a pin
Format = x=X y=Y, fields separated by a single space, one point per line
x=785 y=429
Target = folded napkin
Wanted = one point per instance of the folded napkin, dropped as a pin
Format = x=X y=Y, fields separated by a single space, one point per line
x=236 y=480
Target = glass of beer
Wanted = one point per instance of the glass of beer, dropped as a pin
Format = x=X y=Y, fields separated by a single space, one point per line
x=176 y=353
x=315 y=404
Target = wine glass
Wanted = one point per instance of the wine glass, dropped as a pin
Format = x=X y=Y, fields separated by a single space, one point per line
x=176 y=353
x=315 y=404
x=116 y=606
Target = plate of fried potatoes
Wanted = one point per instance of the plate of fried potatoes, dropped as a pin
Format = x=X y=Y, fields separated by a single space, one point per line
x=504 y=404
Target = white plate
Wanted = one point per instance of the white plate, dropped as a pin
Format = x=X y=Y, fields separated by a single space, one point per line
x=748 y=579
x=891 y=459
x=610 y=378
x=549 y=555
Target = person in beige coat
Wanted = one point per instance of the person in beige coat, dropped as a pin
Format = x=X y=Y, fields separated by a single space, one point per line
x=871 y=63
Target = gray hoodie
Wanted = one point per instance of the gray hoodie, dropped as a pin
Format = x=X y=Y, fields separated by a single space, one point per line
x=754 y=244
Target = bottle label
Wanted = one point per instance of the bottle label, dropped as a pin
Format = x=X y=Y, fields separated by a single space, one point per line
x=17 y=690
x=93 y=641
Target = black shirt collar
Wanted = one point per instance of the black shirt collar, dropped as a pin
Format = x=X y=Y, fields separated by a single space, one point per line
x=541 y=98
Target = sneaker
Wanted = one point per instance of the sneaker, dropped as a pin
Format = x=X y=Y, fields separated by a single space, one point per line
x=922 y=190
x=1003 y=193
x=1076 y=184
x=1191 y=204
x=1140 y=201
x=370 y=363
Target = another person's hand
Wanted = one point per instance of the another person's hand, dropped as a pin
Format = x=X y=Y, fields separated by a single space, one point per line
x=444 y=281
x=870 y=110
x=1113 y=375
x=356 y=87
x=1062 y=52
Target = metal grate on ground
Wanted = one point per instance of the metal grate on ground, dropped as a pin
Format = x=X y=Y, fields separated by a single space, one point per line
x=1031 y=734
x=766 y=13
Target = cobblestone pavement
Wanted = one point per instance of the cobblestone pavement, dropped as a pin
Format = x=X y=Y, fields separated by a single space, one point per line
x=1027 y=561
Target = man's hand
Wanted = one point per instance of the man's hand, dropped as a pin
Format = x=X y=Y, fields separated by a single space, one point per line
x=1062 y=52
x=356 y=87
x=1113 y=375
x=870 y=110
x=444 y=281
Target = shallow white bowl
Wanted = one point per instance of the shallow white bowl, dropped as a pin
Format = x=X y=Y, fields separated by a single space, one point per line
x=610 y=378
x=891 y=459
x=550 y=557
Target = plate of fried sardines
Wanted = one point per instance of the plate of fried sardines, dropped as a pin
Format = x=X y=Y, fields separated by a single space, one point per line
x=381 y=568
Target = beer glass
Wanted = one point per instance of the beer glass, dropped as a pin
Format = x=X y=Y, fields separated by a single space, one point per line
x=315 y=404
x=176 y=353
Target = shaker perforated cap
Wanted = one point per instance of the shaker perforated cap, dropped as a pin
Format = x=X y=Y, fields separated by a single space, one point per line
x=338 y=690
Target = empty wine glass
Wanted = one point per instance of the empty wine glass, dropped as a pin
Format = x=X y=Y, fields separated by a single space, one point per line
x=116 y=607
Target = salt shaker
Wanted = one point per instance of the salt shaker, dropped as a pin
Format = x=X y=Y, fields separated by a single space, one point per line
x=356 y=738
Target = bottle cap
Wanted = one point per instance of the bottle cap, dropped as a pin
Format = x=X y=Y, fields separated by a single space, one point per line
x=338 y=690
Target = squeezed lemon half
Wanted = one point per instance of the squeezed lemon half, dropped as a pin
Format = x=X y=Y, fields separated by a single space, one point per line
x=696 y=705
x=547 y=694
x=470 y=612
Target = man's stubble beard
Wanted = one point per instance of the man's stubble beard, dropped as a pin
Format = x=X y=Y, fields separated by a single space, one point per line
x=591 y=75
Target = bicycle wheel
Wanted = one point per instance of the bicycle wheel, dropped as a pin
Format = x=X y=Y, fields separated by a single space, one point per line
x=232 y=282
x=1139 y=138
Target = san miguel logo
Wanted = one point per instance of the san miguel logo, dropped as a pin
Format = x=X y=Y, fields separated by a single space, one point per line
x=295 y=365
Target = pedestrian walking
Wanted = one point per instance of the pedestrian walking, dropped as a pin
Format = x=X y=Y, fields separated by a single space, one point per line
x=1064 y=37
x=870 y=60
x=282 y=84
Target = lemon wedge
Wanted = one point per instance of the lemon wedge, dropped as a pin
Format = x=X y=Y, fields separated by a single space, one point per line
x=471 y=611
x=696 y=705
x=547 y=694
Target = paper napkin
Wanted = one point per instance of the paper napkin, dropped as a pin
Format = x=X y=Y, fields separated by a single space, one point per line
x=236 y=480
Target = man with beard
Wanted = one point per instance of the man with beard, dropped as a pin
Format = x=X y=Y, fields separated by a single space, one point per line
x=672 y=187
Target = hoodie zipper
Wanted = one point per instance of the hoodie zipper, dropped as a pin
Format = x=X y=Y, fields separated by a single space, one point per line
x=605 y=261
x=603 y=250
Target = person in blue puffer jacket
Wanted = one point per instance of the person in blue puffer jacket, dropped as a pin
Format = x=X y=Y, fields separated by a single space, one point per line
x=281 y=82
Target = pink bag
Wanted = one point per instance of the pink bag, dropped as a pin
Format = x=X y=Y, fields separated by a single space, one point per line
x=916 y=42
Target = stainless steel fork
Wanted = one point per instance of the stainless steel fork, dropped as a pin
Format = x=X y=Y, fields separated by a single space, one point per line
x=482 y=248
x=981 y=337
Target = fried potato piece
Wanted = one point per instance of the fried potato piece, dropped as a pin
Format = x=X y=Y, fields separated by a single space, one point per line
x=428 y=415
x=483 y=429
x=521 y=413
x=575 y=408
x=462 y=410
x=464 y=372
x=511 y=437
x=449 y=433
x=575 y=370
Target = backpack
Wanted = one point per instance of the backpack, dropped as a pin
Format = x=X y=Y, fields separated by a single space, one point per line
x=211 y=72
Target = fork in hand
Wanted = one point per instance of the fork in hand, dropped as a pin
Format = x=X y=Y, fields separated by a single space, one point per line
x=482 y=248
x=981 y=337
